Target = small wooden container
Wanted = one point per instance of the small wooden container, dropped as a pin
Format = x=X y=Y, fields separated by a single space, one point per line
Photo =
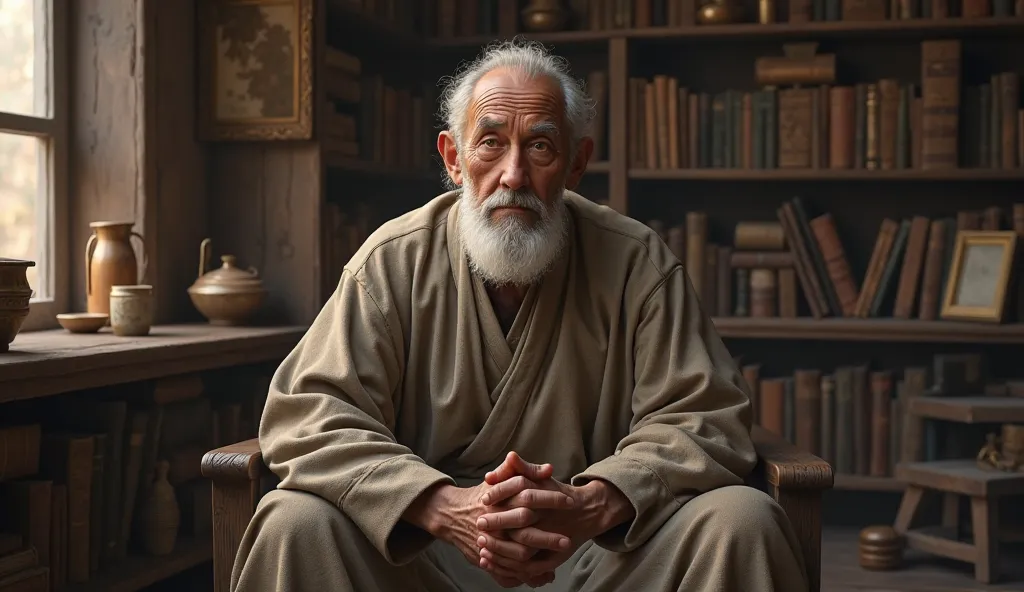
x=881 y=548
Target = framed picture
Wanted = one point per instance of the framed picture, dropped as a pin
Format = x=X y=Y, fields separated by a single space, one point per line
x=979 y=277
x=256 y=69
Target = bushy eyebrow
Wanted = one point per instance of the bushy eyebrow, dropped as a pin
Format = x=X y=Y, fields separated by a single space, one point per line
x=541 y=127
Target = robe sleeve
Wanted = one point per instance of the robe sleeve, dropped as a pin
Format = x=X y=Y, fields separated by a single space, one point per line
x=690 y=431
x=329 y=420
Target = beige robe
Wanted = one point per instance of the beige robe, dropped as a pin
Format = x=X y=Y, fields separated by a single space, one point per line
x=405 y=379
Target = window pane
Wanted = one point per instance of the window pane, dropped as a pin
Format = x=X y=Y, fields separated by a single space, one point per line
x=18 y=67
x=22 y=209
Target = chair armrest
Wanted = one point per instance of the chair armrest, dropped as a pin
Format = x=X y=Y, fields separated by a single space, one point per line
x=787 y=467
x=242 y=461
x=236 y=472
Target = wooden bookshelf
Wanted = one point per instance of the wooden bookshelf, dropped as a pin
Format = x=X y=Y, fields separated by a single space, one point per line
x=828 y=175
x=970 y=409
x=877 y=330
x=139 y=571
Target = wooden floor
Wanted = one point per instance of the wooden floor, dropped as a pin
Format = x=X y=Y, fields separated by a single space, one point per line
x=921 y=573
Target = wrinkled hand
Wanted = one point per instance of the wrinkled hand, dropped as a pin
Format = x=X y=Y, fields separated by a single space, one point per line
x=518 y=514
x=461 y=509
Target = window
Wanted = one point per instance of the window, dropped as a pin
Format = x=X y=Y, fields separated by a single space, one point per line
x=33 y=149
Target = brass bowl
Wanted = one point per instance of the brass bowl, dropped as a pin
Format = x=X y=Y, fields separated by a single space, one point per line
x=15 y=294
x=227 y=309
x=83 y=322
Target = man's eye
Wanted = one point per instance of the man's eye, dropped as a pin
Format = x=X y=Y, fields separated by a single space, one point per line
x=491 y=143
x=540 y=146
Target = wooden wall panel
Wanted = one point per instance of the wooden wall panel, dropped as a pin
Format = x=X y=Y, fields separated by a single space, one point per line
x=264 y=208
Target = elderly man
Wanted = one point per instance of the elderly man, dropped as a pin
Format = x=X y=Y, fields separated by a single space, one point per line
x=513 y=386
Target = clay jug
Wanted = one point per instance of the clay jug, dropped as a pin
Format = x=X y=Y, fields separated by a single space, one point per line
x=160 y=514
x=110 y=261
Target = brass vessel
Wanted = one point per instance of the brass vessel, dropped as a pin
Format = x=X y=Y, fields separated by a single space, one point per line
x=719 y=12
x=544 y=16
x=15 y=293
x=227 y=295
x=110 y=261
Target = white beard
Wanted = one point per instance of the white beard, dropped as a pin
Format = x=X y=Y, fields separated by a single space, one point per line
x=511 y=250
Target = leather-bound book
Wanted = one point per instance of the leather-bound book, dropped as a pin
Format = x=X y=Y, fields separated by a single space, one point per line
x=787 y=293
x=807 y=384
x=742 y=293
x=763 y=290
x=872 y=131
x=915 y=381
x=836 y=264
x=861 y=419
x=796 y=120
x=881 y=410
x=879 y=257
x=766 y=259
x=671 y=160
x=913 y=262
x=661 y=127
x=843 y=425
x=889 y=107
x=68 y=459
x=1009 y=104
x=724 y=276
x=841 y=127
x=931 y=283
x=772 y=401
x=804 y=268
x=940 y=84
x=759 y=236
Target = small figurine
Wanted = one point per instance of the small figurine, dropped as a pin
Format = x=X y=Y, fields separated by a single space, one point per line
x=1003 y=453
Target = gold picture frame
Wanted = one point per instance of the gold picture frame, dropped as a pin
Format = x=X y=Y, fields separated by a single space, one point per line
x=256 y=70
x=984 y=260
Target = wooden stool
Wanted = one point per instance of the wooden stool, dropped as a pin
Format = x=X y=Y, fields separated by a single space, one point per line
x=957 y=477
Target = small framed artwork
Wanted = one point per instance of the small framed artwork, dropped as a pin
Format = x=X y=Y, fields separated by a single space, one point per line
x=256 y=70
x=979 y=276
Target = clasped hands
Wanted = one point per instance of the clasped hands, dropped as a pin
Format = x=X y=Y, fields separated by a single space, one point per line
x=520 y=523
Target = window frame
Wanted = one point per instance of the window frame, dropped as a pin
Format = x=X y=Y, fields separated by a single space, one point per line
x=51 y=77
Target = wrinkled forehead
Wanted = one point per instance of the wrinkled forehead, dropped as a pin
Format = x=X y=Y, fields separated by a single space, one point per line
x=508 y=98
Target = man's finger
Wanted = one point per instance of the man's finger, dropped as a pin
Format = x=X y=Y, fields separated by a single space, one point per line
x=536 y=538
x=515 y=552
x=515 y=465
x=506 y=489
x=503 y=572
x=514 y=518
x=541 y=499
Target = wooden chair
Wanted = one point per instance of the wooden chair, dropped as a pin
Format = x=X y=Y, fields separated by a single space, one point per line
x=793 y=477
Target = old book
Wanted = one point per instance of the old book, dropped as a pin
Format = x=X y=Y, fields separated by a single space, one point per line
x=772 y=401
x=661 y=122
x=682 y=116
x=805 y=271
x=27 y=507
x=135 y=437
x=693 y=127
x=771 y=128
x=696 y=239
x=888 y=111
x=671 y=159
x=876 y=265
x=940 y=89
x=724 y=277
x=1017 y=223
x=19 y=451
x=759 y=236
x=719 y=131
x=20 y=560
x=68 y=459
x=807 y=384
x=915 y=381
x=766 y=259
x=827 y=419
x=636 y=123
x=976 y=8
x=995 y=122
x=861 y=418
x=651 y=125
x=823 y=119
x=1009 y=104
x=787 y=293
x=705 y=119
x=864 y=10
x=896 y=256
x=751 y=374
x=709 y=295
x=837 y=266
x=896 y=415
x=881 y=410
x=913 y=261
x=903 y=128
x=841 y=127
x=742 y=279
x=747 y=161
x=931 y=282
x=642 y=13
x=763 y=289
x=795 y=123
x=872 y=127
x=916 y=127
x=802 y=219
x=860 y=125
x=843 y=425
x=677 y=242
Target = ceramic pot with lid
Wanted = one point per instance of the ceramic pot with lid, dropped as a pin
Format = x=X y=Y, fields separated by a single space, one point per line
x=227 y=295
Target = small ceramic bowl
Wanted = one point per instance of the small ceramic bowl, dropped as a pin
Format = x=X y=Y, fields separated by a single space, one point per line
x=82 y=322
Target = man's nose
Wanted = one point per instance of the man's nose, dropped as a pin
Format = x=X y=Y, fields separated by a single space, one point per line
x=514 y=176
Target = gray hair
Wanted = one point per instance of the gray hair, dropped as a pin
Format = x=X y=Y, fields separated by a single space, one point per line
x=534 y=60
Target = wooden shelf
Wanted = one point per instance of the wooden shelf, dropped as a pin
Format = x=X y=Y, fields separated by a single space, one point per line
x=140 y=571
x=818 y=30
x=867 y=483
x=44 y=363
x=878 y=330
x=836 y=29
x=337 y=162
x=828 y=175
x=970 y=409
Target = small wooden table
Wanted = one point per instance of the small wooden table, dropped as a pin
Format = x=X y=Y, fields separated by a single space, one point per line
x=953 y=478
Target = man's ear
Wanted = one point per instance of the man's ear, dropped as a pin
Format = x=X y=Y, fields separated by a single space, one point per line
x=449 y=151
x=584 y=150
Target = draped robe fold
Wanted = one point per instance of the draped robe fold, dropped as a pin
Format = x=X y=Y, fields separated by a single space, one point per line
x=406 y=379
